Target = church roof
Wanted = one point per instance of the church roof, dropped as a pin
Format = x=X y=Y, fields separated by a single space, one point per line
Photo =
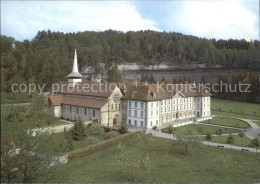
x=75 y=70
x=74 y=74
x=84 y=102
x=56 y=100
x=103 y=90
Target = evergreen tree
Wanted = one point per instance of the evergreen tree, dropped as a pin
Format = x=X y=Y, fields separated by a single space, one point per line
x=151 y=79
x=114 y=74
x=69 y=145
x=163 y=79
x=78 y=132
x=123 y=129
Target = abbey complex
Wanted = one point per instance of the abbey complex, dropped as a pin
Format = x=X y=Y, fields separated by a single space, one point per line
x=136 y=104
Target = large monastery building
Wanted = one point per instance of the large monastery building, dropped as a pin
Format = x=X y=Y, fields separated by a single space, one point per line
x=135 y=104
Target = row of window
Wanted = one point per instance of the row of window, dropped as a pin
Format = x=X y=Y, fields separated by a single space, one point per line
x=135 y=123
x=85 y=110
x=141 y=115
x=115 y=106
x=163 y=102
x=135 y=105
x=204 y=105
x=203 y=99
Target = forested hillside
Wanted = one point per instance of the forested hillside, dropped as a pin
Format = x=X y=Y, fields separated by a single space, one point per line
x=48 y=57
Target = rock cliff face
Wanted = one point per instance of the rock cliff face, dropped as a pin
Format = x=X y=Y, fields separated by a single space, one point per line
x=162 y=66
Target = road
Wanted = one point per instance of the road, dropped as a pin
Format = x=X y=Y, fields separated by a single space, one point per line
x=167 y=136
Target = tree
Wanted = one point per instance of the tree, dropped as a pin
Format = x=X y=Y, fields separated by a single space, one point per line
x=95 y=129
x=241 y=135
x=145 y=138
x=208 y=137
x=170 y=131
x=163 y=79
x=114 y=74
x=132 y=167
x=25 y=157
x=123 y=129
x=219 y=132
x=69 y=145
x=188 y=139
x=151 y=79
x=230 y=139
x=154 y=128
x=255 y=143
x=78 y=132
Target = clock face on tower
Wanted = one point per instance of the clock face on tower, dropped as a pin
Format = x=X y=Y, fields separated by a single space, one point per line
x=116 y=98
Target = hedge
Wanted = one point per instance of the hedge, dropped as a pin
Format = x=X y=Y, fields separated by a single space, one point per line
x=78 y=153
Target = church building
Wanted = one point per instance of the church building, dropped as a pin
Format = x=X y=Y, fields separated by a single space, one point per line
x=141 y=104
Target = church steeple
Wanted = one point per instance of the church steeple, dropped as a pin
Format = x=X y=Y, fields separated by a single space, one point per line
x=75 y=63
x=74 y=76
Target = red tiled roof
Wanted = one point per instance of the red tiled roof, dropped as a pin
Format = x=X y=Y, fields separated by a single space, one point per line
x=86 y=89
x=84 y=102
x=146 y=93
x=56 y=100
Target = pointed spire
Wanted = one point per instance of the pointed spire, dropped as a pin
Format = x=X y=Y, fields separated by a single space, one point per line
x=75 y=63
x=75 y=70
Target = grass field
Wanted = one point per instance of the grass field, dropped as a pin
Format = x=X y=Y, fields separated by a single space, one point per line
x=200 y=165
x=237 y=142
x=239 y=109
x=227 y=122
x=203 y=129
x=59 y=137
x=257 y=122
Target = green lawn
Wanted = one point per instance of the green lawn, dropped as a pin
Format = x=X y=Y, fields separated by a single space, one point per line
x=60 y=137
x=227 y=122
x=257 y=122
x=203 y=129
x=245 y=141
x=239 y=109
x=168 y=165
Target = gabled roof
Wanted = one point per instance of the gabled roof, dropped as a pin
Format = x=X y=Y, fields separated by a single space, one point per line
x=56 y=100
x=143 y=92
x=103 y=90
x=84 y=102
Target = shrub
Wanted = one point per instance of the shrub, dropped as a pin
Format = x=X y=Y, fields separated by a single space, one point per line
x=230 y=139
x=219 y=131
x=95 y=129
x=112 y=134
x=123 y=129
x=154 y=127
x=100 y=146
x=208 y=137
x=69 y=145
x=92 y=140
x=78 y=132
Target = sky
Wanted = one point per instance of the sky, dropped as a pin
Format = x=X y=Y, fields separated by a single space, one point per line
x=219 y=19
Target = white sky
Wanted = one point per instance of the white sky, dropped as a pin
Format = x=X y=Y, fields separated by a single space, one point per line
x=221 y=19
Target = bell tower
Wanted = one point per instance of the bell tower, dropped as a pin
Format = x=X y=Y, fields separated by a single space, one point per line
x=74 y=76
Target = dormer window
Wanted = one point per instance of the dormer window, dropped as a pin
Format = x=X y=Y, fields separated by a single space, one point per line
x=153 y=94
x=194 y=84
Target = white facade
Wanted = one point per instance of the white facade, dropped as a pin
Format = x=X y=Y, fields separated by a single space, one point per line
x=135 y=112
x=151 y=113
